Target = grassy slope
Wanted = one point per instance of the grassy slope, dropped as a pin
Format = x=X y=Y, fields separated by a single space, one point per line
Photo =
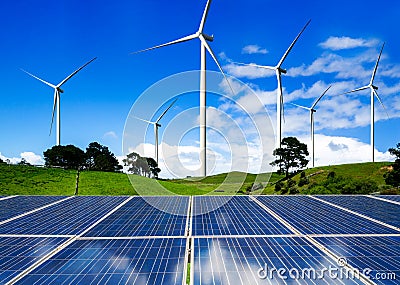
x=28 y=180
x=373 y=171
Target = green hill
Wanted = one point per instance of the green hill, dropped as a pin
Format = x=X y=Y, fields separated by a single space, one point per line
x=30 y=180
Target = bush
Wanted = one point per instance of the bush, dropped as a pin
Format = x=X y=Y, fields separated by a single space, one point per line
x=303 y=179
x=278 y=186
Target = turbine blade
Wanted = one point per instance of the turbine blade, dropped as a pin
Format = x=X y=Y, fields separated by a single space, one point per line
x=54 y=109
x=204 y=18
x=376 y=66
x=355 y=90
x=291 y=46
x=255 y=65
x=181 y=40
x=166 y=110
x=380 y=101
x=150 y=122
x=320 y=97
x=75 y=72
x=216 y=61
x=306 y=108
x=45 y=82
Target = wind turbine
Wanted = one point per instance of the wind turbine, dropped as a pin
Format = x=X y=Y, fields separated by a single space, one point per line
x=312 y=111
x=57 y=91
x=156 y=126
x=279 y=96
x=373 y=89
x=204 y=39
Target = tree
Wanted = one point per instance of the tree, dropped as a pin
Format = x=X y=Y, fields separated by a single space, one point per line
x=143 y=166
x=393 y=177
x=23 y=162
x=68 y=157
x=100 y=158
x=153 y=166
x=2 y=161
x=291 y=155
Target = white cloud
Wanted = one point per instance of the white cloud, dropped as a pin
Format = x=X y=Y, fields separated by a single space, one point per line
x=252 y=49
x=29 y=156
x=247 y=71
x=110 y=134
x=340 y=43
x=331 y=150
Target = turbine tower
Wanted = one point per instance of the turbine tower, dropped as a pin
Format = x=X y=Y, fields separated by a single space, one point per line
x=279 y=96
x=57 y=91
x=156 y=126
x=204 y=39
x=373 y=89
x=312 y=111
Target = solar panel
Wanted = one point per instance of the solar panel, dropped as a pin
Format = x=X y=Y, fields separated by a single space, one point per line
x=21 y=204
x=310 y=216
x=139 y=218
x=18 y=253
x=114 y=261
x=395 y=198
x=379 y=255
x=238 y=215
x=256 y=260
x=377 y=209
x=71 y=216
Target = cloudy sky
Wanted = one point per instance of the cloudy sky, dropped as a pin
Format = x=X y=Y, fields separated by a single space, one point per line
x=340 y=47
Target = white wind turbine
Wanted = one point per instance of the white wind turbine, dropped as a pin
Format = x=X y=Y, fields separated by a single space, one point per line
x=312 y=111
x=57 y=91
x=204 y=39
x=279 y=96
x=373 y=89
x=156 y=126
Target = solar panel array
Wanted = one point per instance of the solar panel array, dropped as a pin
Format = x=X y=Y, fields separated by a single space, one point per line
x=218 y=239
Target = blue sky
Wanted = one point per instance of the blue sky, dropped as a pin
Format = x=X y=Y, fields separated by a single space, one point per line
x=52 y=38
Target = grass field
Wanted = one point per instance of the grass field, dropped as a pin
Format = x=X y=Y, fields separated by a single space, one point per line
x=29 y=180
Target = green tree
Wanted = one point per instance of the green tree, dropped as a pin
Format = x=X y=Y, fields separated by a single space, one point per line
x=153 y=166
x=393 y=177
x=291 y=155
x=23 y=162
x=100 y=158
x=2 y=161
x=143 y=166
x=68 y=157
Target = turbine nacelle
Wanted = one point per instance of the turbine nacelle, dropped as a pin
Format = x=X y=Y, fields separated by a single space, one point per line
x=158 y=125
x=60 y=90
x=208 y=38
x=374 y=87
x=281 y=70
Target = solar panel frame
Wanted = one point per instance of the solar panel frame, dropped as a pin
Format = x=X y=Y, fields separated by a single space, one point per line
x=386 y=212
x=310 y=216
x=237 y=260
x=139 y=218
x=17 y=205
x=70 y=217
x=115 y=261
x=227 y=220
x=19 y=253
x=381 y=254
x=395 y=198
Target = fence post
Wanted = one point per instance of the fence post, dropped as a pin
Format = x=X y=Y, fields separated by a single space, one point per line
x=77 y=181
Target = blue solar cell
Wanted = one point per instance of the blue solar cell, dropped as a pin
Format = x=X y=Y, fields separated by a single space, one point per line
x=377 y=209
x=65 y=218
x=21 y=204
x=18 y=253
x=139 y=218
x=395 y=198
x=380 y=256
x=122 y=261
x=238 y=216
x=256 y=260
x=310 y=216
